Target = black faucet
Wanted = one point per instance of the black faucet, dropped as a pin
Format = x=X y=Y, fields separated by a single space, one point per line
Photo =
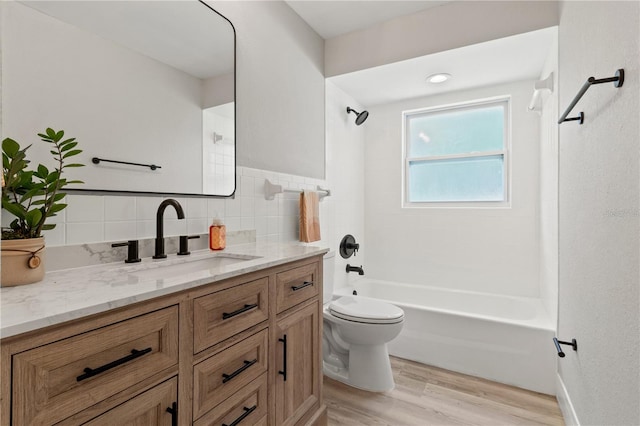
x=357 y=269
x=160 y=226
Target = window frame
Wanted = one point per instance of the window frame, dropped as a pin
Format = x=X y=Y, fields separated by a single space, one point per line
x=505 y=152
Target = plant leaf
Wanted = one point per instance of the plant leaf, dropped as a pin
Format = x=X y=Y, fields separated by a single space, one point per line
x=74 y=165
x=55 y=208
x=68 y=146
x=72 y=153
x=42 y=171
x=33 y=218
x=48 y=227
x=10 y=147
x=15 y=209
x=53 y=176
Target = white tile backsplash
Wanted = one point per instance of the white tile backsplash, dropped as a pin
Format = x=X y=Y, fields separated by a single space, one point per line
x=119 y=208
x=145 y=229
x=119 y=230
x=197 y=208
x=107 y=218
x=85 y=208
x=84 y=232
x=146 y=207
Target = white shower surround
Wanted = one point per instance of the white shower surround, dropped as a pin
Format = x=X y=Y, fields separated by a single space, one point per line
x=502 y=338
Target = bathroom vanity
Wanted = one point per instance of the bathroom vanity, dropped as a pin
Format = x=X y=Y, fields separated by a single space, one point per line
x=237 y=343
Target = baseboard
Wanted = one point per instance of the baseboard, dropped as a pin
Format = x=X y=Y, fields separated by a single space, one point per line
x=564 y=401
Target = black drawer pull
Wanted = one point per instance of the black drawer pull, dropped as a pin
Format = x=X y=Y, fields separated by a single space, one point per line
x=226 y=315
x=284 y=357
x=243 y=416
x=90 y=372
x=247 y=364
x=173 y=410
x=303 y=285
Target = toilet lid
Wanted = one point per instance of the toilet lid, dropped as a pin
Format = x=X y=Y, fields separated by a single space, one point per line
x=365 y=310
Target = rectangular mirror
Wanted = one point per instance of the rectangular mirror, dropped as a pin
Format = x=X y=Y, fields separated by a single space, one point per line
x=146 y=87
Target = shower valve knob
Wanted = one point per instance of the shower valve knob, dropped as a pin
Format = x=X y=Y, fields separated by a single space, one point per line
x=348 y=246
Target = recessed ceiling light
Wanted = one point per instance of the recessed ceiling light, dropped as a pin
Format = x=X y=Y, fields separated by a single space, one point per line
x=441 y=77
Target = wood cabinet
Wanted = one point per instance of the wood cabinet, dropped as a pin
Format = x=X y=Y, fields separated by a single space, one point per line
x=242 y=351
x=298 y=363
x=157 y=406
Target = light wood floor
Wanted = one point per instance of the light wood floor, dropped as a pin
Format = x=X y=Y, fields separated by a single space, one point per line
x=426 y=395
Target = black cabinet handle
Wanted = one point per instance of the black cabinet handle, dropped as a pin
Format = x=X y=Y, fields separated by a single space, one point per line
x=246 y=308
x=247 y=411
x=247 y=364
x=173 y=410
x=303 y=285
x=284 y=357
x=90 y=372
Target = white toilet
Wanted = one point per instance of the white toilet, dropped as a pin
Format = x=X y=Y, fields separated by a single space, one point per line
x=355 y=335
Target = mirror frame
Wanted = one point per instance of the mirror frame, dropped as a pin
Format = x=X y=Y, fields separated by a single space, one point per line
x=82 y=191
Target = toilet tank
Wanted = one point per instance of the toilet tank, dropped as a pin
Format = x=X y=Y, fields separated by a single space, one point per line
x=328 y=269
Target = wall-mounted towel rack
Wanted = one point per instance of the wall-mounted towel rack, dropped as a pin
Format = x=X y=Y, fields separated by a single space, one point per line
x=573 y=343
x=270 y=190
x=96 y=160
x=617 y=80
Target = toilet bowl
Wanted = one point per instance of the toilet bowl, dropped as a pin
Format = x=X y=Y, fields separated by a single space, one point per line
x=355 y=335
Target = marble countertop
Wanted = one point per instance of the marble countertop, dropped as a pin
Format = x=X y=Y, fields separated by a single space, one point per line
x=74 y=293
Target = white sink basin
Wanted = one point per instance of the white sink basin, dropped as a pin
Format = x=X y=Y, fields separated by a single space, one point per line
x=211 y=264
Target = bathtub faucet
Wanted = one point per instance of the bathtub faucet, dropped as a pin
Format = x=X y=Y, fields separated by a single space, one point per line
x=357 y=269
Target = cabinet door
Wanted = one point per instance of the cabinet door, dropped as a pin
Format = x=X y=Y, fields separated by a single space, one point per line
x=297 y=364
x=154 y=407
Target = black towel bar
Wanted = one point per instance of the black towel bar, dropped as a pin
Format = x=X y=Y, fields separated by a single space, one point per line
x=617 y=81
x=96 y=160
x=573 y=343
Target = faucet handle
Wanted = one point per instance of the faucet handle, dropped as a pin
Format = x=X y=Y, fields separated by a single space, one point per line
x=132 y=252
x=184 y=244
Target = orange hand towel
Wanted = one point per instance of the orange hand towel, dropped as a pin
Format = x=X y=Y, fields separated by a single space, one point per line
x=309 y=216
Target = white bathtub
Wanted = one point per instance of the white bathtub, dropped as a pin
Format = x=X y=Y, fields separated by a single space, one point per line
x=501 y=338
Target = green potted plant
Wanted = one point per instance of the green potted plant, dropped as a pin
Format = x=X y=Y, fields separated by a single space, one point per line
x=32 y=197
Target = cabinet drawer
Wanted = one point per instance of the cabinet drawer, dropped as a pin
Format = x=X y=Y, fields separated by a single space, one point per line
x=296 y=285
x=249 y=406
x=148 y=408
x=220 y=376
x=220 y=315
x=57 y=380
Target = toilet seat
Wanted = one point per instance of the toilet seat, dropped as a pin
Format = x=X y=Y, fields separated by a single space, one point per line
x=369 y=311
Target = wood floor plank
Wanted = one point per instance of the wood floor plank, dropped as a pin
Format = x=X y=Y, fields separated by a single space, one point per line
x=426 y=395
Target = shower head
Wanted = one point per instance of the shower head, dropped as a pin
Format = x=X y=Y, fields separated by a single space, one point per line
x=360 y=116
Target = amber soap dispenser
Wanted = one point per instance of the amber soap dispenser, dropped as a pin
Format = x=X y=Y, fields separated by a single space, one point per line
x=217 y=235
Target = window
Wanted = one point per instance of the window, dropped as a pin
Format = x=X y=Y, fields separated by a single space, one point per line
x=457 y=154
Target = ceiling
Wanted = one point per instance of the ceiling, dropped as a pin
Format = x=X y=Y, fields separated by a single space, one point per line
x=514 y=58
x=333 y=18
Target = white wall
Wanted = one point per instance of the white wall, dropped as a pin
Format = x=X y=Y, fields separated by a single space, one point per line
x=456 y=24
x=279 y=88
x=494 y=250
x=599 y=213
x=345 y=177
x=549 y=187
